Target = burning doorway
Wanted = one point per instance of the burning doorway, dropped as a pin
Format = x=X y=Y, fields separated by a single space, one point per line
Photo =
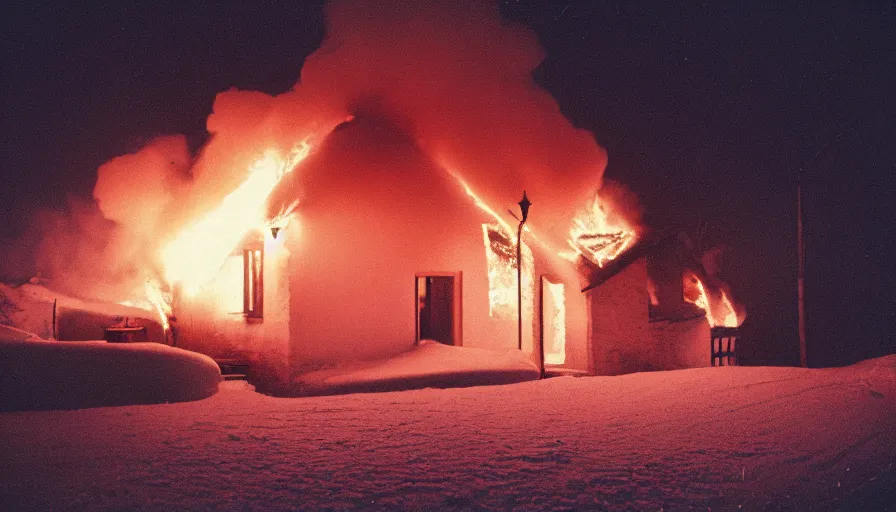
x=437 y=308
x=553 y=321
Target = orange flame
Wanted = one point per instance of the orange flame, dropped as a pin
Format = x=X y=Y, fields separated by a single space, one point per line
x=720 y=314
x=155 y=300
x=594 y=236
x=500 y=255
x=160 y=302
x=197 y=252
x=480 y=203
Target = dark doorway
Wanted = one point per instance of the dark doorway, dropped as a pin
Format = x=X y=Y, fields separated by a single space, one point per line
x=435 y=308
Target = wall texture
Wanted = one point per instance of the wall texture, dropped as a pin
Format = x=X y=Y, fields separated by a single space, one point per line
x=620 y=338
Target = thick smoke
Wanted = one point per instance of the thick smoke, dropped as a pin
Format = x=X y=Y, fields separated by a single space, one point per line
x=81 y=252
x=139 y=190
x=105 y=249
x=453 y=75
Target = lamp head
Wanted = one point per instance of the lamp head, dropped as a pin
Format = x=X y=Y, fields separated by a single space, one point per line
x=524 y=206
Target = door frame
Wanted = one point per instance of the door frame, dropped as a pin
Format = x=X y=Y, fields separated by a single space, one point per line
x=550 y=279
x=457 y=313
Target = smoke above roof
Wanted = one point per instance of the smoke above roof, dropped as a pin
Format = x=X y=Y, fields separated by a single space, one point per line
x=454 y=76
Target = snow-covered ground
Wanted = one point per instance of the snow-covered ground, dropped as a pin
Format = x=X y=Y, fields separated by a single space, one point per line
x=711 y=438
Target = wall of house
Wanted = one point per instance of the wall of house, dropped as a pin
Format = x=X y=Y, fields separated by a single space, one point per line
x=352 y=277
x=375 y=212
x=620 y=338
x=681 y=344
x=211 y=322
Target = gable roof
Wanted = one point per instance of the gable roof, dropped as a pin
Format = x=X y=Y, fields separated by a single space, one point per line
x=647 y=245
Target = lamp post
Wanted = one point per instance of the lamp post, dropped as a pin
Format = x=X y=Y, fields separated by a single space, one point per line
x=524 y=208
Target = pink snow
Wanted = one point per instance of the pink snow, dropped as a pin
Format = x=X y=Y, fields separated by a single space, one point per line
x=37 y=374
x=428 y=364
x=710 y=438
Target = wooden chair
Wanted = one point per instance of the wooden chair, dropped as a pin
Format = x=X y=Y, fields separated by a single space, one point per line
x=723 y=346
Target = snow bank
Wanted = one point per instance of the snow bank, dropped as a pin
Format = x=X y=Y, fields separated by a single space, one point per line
x=429 y=364
x=36 y=375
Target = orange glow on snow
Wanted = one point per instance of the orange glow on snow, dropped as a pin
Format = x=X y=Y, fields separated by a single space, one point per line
x=595 y=237
x=721 y=314
x=196 y=254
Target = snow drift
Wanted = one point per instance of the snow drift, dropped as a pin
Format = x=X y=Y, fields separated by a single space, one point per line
x=429 y=364
x=37 y=375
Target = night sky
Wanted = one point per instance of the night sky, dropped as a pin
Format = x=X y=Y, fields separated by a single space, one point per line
x=710 y=114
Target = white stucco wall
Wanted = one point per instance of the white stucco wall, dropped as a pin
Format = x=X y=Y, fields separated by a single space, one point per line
x=681 y=344
x=620 y=337
x=353 y=269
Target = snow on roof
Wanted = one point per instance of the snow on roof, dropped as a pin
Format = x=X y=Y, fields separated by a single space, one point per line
x=42 y=294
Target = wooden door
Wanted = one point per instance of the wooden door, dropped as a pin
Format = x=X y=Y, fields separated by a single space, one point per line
x=435 y=295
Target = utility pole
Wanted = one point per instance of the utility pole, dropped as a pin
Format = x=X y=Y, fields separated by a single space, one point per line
x=801 y=268
x=800 y=246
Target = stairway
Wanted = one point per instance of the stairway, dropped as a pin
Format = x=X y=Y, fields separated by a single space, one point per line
x=233 y=369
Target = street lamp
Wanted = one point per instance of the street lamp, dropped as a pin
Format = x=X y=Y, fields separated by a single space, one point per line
x=524 y=208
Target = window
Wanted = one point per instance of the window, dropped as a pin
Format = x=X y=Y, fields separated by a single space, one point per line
x=500 y=257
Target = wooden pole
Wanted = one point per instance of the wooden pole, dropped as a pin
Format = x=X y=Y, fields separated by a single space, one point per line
x=801 y=267
x=519 y=286
x=541 y=323
x=54 y=319
x=800 y=248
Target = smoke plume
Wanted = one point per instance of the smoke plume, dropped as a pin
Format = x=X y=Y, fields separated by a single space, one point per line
x=453 y=75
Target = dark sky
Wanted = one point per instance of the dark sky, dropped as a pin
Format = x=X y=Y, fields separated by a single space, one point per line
x=707 y=113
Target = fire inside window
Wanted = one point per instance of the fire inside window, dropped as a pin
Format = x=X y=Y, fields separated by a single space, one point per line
x=253 y=283
x=500 y=256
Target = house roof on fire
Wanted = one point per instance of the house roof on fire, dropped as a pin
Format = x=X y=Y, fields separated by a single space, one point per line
x=375 y=148
x=648 y=245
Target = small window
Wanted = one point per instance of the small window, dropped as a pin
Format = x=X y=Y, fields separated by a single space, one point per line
x=253 y=283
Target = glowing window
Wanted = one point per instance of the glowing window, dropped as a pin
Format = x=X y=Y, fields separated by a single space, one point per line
x=500 y=256
x=553 y=309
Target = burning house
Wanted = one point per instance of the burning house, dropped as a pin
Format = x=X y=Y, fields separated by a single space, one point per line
x=365 y=210
x=388 y=248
